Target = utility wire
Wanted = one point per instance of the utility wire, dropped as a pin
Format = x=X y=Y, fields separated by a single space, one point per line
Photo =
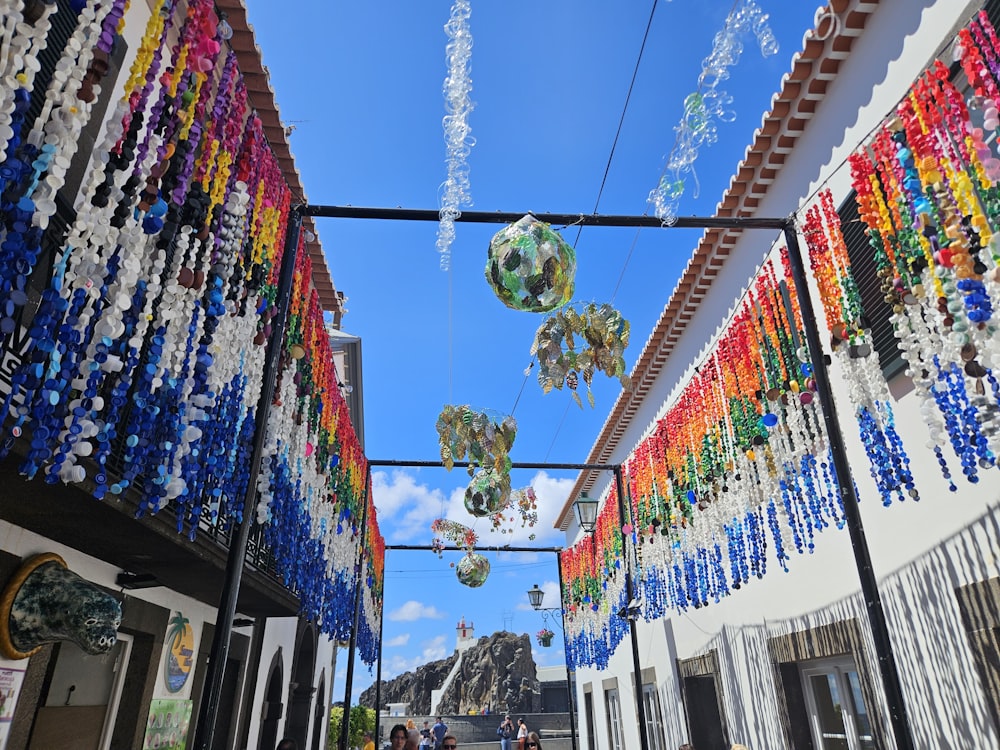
x=621 y=120
x=600 y=192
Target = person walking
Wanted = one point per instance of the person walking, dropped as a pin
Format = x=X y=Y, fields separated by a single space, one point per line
x=439 y=730
x=506 y=732
x=426 y=739
x=522 y=733
x=532 y=741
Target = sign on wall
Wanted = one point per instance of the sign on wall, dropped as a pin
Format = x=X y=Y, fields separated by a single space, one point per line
x=167 y=725
x=180 y=655
x=10 y=687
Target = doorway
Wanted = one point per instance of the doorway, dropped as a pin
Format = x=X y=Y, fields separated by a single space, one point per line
x=272 y=708
x=321 y=721
x=837 y=714
x=704 y=717
x=300 y=689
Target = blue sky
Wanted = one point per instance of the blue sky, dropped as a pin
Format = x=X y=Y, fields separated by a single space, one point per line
x=362 y=84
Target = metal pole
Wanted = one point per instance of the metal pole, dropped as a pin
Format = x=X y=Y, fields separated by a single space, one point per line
x=208 y=709
x=451 y=548
x=640 y=709
x=345 y=724
x=507 y=217
x=862 y=558
x=570 y=687
x=378 y=673
x=514 y=465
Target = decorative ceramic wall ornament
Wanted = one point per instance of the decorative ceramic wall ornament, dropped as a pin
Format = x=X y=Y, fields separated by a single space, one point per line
x=45 y=602
x=530 y=267
x=473 y=570
x=484 y=437
x=605 y=335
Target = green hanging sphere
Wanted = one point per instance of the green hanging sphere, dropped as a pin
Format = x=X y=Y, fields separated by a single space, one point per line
x=530 y=267
x=487 y=493
x=473 y=570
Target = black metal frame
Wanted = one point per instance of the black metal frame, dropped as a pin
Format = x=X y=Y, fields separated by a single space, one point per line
x=869 y=583
x=495 y=548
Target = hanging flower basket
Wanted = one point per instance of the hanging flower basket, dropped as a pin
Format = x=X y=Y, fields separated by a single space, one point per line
x=473 y=570
x=544 y=637
x=485 y=439
x=604 y=333
x=530 y=267
x=488 y=493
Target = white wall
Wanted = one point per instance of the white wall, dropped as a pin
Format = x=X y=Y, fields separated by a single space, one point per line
x=24 y=543
x=920 y=551
x=279 y=633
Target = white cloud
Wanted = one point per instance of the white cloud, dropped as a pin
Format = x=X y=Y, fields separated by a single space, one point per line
x=399 y=640
x=551 y=494
x=414 y=610
x=406 y=508
x=434 y=650
x=549 y=657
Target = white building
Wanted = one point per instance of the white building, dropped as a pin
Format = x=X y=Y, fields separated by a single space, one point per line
x=789 y=661
x=147 y=692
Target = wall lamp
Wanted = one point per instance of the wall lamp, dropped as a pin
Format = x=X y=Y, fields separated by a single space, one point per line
x=136 y=580
x=586 y=512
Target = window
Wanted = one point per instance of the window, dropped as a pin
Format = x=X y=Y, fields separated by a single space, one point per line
x=852 y=696
x=701 y=690
x=837 y=714
x=614 y=707
x=654 y=717
x=979 y=604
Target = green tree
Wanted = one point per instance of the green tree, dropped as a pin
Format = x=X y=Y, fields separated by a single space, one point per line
x=362 y=720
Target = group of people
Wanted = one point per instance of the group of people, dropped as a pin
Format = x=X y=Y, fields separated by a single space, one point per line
x=408 y=737
x=437 y=737
x=508 y=733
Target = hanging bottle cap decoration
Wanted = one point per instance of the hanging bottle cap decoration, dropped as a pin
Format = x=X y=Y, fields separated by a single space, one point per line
x=473 y=570
x=488 y=493
x=530 y=267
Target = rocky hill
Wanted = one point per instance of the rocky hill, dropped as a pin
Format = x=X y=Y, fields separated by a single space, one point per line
x=498 y=672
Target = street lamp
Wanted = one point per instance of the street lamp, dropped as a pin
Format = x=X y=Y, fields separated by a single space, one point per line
x=535 y=596
x=586 y=512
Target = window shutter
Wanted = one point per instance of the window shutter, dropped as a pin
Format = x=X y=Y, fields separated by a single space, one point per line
x=876 y=311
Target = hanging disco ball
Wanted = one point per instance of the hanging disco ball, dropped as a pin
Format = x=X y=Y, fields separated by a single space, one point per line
x=473 y=570
x=530 y=267
x=487 y=493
